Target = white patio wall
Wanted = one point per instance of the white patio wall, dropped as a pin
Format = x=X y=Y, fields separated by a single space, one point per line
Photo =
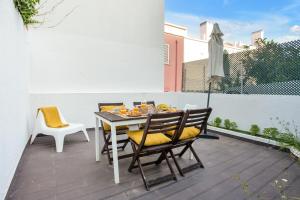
x=244 y=109
x=14 y=98
x=249 y=109
x=103 y=46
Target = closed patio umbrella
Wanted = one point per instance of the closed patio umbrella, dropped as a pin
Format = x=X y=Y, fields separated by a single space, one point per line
x=215 y=60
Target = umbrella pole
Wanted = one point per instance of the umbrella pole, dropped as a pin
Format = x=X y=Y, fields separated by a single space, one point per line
x=208 y=95
x=207 y=105
x=205 y=135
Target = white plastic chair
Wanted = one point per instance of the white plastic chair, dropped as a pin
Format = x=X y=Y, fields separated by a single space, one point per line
x=58 y=133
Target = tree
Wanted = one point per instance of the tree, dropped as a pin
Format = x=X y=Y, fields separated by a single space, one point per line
x=231 y=79
x=273 y=62
x=270 y=62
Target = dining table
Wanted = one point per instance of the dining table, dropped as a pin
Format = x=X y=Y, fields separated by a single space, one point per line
x=115 y=120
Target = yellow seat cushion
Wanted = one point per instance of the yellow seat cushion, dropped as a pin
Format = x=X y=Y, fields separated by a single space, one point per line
x=106 y=126
x=151 y=139
x=110 y=108
x=52 y=117
x=187 y=133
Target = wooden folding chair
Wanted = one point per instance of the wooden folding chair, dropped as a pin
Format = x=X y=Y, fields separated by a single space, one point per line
x=192 y=126
x=151 y=141
x=138 y=103
x=107 y=133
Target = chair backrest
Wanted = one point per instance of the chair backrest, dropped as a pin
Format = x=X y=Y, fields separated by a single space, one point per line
x=161 y=123
x=193 y=118
x=41 y=123
x=63 y=120
x=100 y=109
x=109 y=104
x=137 y=103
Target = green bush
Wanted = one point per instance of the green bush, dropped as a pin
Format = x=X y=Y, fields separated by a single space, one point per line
x=271 y=132
x=286 y=139
x=254 y=130
x=289 y=137
x=217 y=122
x=297 y=143
x=227 y=123
x=233 y=126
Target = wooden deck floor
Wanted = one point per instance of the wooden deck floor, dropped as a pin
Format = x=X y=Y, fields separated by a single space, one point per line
x=234 y=169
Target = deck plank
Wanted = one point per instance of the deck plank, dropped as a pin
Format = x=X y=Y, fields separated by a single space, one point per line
x=44 y=174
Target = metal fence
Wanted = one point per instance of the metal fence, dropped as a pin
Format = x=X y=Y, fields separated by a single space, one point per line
x=272 y=68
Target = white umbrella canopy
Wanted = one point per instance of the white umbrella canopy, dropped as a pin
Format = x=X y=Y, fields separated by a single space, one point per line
x=215 y=52
x=215 y=64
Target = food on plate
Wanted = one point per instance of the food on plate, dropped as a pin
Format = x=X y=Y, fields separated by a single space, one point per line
x=123 y=111
x=134 y=112
x=136 y=109
x=163 y=107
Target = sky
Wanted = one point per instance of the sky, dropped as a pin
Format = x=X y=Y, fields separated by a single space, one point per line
x=280 y=19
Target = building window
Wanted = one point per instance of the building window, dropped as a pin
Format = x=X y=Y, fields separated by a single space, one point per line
x=167 y=54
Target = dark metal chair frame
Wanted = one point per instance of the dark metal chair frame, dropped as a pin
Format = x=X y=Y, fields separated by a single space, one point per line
x=137 y=103
x=156 y=123
x=107 y=135
x=192 y=118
